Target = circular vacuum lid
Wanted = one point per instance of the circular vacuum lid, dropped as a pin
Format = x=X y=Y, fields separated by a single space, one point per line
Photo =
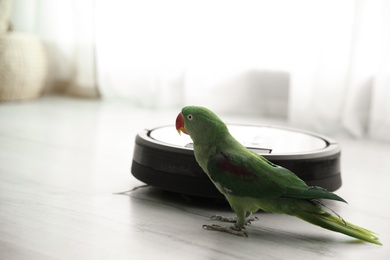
x=164 y=159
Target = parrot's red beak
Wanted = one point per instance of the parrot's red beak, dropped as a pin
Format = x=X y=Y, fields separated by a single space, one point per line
x=180 y=124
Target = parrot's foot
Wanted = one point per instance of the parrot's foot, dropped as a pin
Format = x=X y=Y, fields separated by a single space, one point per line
x=234 y=230
x=224 y=219
x=248 y=220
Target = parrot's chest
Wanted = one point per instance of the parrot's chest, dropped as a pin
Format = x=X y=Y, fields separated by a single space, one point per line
x=203 y=154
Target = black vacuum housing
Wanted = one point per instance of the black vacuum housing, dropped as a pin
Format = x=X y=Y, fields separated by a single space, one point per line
x=165 y=160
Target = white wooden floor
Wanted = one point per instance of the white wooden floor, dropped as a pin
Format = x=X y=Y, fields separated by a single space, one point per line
x=65 y=173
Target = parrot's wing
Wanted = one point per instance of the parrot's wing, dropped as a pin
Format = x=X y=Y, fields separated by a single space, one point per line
x=251 y=175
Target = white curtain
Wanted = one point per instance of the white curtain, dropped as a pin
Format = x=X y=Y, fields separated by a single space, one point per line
x=322 y=65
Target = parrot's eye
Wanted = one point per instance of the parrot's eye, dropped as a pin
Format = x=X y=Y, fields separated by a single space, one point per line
x=189 y=117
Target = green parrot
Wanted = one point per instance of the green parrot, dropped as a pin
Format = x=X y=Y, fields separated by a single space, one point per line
x=250 y=182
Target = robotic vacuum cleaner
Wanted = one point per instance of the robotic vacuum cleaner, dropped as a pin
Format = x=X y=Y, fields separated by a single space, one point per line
x=165 y=160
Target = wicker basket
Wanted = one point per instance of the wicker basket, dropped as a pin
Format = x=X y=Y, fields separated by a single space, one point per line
x=23 y=66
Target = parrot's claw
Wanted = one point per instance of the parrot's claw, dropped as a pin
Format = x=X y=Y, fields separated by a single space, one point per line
x=234 y=230
x=250 y=219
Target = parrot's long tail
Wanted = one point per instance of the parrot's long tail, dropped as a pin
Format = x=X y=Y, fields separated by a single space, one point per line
x=335 y=223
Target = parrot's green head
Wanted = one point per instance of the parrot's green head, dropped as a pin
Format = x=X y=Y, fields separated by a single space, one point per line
x=201 y=124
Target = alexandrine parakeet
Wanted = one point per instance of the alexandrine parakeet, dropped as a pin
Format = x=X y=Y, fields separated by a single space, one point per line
x=250 y=182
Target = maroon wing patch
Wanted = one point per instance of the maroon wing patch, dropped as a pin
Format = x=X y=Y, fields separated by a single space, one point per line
x=225 y=164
